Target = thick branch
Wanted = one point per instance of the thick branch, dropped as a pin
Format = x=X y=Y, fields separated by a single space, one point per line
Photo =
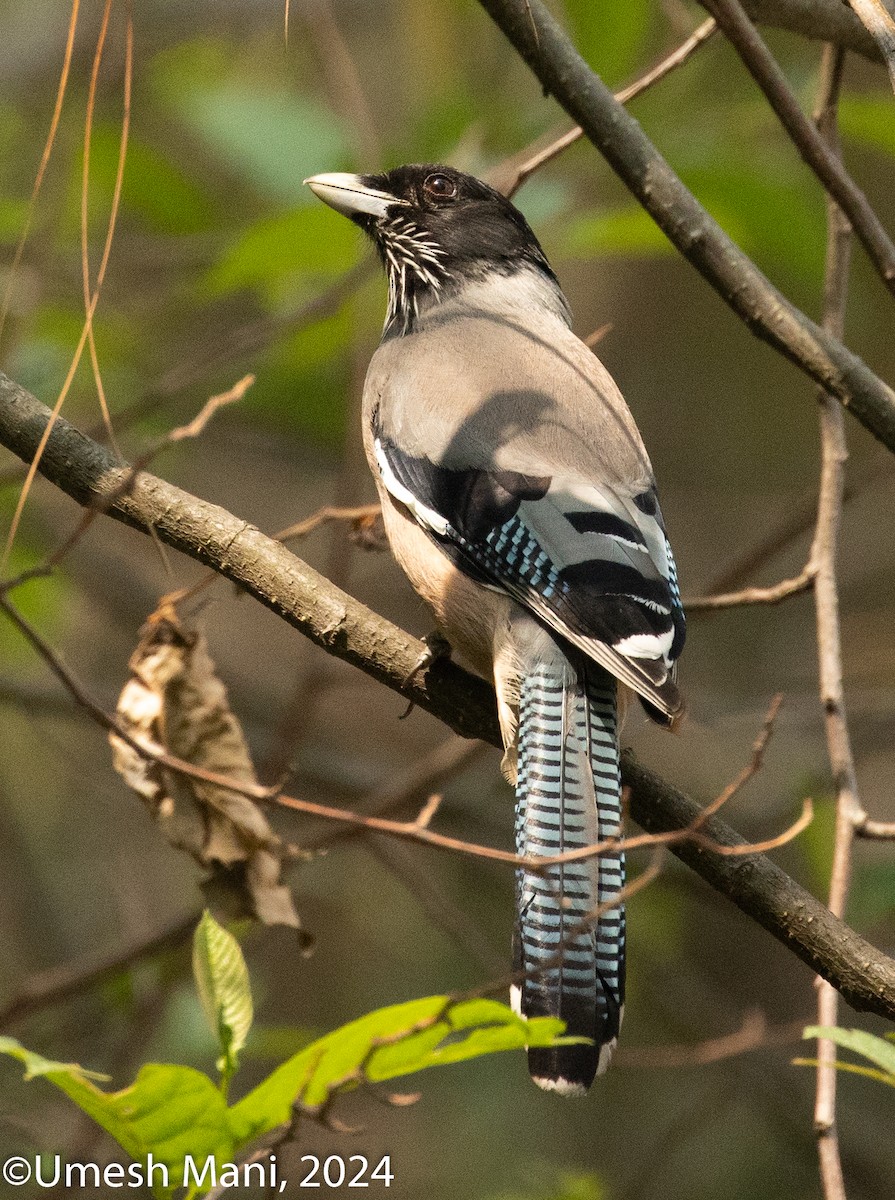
x=619 y=138
x=344 y=627
x=821 y=20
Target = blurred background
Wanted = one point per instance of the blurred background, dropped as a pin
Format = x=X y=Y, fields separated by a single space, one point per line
x=222 y=263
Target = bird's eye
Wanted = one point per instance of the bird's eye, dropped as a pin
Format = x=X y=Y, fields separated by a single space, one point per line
x=439 y=187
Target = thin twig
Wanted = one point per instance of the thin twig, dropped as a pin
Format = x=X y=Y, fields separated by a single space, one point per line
x=829 y=647
x=87 y=328
x=510 y=179
x=44 y=162
x=358 y=515
x=61 y=983
x=803 y=582
x=800 y=518
x=218 y=352
x=130 y=473
x=824 y=162
x=407 y=830
x=882 y=831
x=754 y=1034
x=759 y=746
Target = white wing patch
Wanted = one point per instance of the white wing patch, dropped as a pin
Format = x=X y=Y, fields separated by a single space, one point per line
x=427 y=517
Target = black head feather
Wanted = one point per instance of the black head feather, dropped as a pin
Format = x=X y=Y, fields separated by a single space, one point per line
x=444 y=229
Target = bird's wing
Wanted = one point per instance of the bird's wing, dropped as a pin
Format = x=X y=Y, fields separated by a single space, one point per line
x=592 y=564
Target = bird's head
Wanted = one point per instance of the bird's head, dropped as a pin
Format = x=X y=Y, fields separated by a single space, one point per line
x=436 y=229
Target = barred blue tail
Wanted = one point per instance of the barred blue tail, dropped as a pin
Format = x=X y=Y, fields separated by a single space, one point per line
x=568 y=795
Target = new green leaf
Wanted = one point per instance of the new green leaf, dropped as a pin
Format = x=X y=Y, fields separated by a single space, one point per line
x=222 y=981
x=166 y=1113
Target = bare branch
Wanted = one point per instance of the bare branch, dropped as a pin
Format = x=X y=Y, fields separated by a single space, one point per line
x=620 y=139
x=510 y=178
x=61 y=983
x=880 y=24
x=360 y=516
x=826 y=165
x=829 y=644
x=822 y=20
x=799 y=519
x=803 y=582
x=882 y=831
x=753 y=1034
x=344 y=627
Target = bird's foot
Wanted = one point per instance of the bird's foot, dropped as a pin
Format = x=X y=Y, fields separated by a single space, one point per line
x=435 y=646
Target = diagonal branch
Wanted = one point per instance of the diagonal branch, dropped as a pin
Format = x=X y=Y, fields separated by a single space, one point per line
x=880 y=24
x=821 y=20
x=344 y=627
x=826 y=165
x=617 y=135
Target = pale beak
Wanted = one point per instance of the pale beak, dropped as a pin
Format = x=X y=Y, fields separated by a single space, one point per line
x=349 y=195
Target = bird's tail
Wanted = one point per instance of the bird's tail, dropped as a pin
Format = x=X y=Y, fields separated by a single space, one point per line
x=568 y=795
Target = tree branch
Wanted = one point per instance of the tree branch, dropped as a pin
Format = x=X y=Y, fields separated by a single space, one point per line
x=344 y=627
x=821 y=20
x=826 y=165
x=617 y=135
x=834 y=453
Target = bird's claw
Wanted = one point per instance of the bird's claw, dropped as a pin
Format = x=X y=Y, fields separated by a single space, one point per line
x=435 y=646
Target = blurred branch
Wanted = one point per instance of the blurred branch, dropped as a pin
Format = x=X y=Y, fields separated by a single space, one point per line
x=222 y=349
x=61 y=983
x=880 y=24
x=344 y=627
x=798 y=520
x=821 y=20
x=753 y=1034
x=825 y=164
x=834 y=454
x=616 y=134
x=882 y=831
x=802 y=582
x=343 y=78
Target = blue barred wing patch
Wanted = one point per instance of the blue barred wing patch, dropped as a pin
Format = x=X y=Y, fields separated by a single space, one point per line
x=593 y=567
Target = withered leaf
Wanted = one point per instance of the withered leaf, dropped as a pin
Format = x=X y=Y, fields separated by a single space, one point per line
x=175 y=702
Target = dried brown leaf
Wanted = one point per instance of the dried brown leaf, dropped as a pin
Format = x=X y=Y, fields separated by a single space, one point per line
x=175 y=701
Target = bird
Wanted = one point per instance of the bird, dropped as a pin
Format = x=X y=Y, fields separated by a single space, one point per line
x=519 y=500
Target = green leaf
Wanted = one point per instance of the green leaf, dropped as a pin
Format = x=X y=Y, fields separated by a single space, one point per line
x=850 y=1069
x=12 y=218
x=626 y=230
x=154 y=187
x=168 y=1112
x=609 y=34
x=270 y=137
x=877 y=1049
x=869 y=120
x=383 y=1045
x=46 y=601
x=222 y=981
x=304 y=245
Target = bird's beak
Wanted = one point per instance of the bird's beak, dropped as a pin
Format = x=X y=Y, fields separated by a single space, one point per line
x=349 y=195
